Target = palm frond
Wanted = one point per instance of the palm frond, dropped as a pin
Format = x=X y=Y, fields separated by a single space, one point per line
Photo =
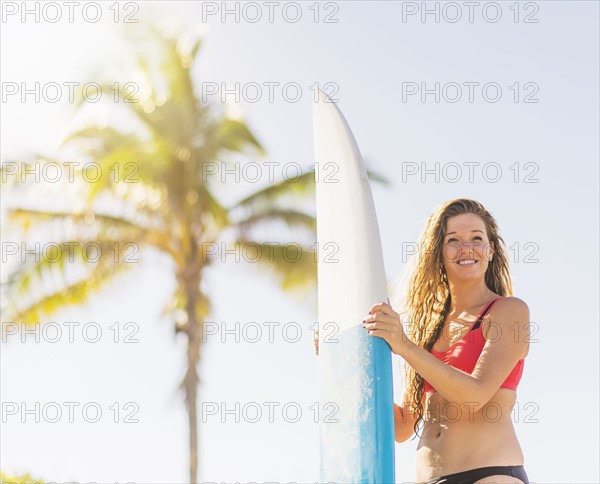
x=109 y=227
x=292 y=218
x=20 y=300
x=234 y=135
x=292 y=266
x=378 y=177
x=269 y=196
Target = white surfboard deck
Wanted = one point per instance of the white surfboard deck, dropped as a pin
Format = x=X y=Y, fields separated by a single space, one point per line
x=356 y=420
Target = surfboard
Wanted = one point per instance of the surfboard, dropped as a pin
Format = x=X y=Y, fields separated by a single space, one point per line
x=356 y=418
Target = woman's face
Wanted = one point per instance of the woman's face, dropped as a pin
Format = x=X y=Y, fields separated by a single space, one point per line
x=466 y=250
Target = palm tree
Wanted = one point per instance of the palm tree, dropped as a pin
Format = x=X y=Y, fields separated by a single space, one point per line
x=170 y=208
x=22 y=479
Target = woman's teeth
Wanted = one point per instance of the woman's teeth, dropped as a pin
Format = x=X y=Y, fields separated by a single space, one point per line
x=466 y=262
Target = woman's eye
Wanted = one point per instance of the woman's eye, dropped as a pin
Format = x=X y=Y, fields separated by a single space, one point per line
x=452 y=239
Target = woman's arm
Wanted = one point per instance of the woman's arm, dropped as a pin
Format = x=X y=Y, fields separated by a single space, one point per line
x=404 y=422
x=508 y=342
x=400 y=424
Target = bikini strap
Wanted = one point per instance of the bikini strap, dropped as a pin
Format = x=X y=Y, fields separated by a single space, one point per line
x=476 y=325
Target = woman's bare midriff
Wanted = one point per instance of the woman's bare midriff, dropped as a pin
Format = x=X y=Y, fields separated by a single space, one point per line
x=455 y=439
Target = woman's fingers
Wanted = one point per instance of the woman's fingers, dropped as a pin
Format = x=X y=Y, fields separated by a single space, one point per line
x=379 y=327
x=384 y=308
x=384 y=322
x=381 y=316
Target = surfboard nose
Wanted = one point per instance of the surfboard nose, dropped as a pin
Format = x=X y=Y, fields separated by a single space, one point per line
x=333 y=138
x=322 y=95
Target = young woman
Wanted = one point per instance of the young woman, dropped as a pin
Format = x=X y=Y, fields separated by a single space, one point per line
x=464 y=352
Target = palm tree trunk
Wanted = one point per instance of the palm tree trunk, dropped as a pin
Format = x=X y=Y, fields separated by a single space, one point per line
x=191 y=380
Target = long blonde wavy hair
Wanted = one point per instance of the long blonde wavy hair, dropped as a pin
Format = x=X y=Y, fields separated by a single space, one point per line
x=427 y=300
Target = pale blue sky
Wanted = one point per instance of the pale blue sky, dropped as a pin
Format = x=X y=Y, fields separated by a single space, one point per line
x=368 y=54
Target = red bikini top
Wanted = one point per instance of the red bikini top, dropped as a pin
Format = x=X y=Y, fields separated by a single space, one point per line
x=464 y=354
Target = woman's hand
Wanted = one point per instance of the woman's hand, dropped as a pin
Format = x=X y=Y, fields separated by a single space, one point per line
x=384 y=322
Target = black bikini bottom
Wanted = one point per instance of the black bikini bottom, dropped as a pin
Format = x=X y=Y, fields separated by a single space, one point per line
x=472 y=475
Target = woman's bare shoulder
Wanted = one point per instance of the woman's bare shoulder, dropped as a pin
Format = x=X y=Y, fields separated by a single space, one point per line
x=510 y=316
x=511 y=305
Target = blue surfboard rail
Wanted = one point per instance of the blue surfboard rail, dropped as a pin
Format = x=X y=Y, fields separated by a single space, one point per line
x=370 y=421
